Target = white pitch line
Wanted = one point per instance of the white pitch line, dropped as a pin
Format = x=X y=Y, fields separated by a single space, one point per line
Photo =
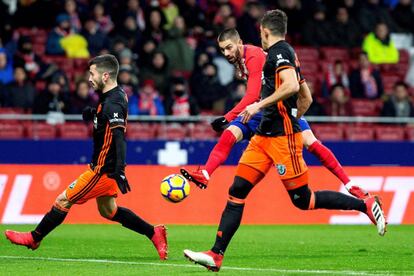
x=287 y=271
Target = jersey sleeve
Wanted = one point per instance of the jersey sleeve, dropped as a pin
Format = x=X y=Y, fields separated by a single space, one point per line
x=283 y=59
x=254 y=64
x=115 y=112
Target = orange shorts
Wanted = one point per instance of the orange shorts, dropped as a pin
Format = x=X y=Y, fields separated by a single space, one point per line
x=285 y=152
x=91 y=185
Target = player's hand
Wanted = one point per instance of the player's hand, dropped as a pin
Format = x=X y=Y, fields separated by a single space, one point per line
x=121 y=181
x=88 y=113
x=249 y=112
x=219 y=124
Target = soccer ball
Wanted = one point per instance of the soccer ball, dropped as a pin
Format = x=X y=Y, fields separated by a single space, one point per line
x=175 y=188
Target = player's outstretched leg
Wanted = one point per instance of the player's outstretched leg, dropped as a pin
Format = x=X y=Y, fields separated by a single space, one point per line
x=218 y=156
x=229 y=223
x=305 y=199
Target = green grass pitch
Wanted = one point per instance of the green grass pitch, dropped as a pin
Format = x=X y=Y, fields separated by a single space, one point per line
x=255 y=250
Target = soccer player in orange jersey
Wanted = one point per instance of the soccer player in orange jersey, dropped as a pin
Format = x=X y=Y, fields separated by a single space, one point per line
x=277 y=142
x=106 y=171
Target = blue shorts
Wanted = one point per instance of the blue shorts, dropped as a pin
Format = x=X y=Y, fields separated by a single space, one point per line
x=247 y=129
x=303 y=124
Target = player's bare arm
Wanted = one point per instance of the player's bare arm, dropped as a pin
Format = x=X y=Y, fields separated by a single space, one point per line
x=304 y=99
x=289 y=87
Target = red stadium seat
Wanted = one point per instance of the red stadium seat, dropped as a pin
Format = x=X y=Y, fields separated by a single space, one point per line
x=365 y=107
x=359 y=133
x=389 y=133
x=308 y=68
x=73 y=131
x=332 y=53
x=172 y=131
x=389 y=80
x=141 y=131
x=328 y=132
x=307 y=54
x=11 y=131
x=38 y=130
x=404 y=56
x=202 y=131
x=410 y=133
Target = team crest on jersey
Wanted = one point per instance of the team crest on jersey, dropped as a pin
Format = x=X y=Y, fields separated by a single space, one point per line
x=71 y=186
x=281 y=169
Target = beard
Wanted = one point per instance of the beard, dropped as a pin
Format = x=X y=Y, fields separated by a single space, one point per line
x=236 y=58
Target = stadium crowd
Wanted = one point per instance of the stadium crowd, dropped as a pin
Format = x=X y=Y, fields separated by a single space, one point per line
x=170 y=63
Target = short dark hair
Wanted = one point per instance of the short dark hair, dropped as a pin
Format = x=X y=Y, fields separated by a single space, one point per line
x=275 y=21
x=228 y=34
x=106 y=63
x=401 y=83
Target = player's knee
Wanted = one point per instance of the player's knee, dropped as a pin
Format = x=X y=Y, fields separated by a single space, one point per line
x=106 y=213
x=62 y=201
x=240 y=188
x=302 y=197
x=308 y=138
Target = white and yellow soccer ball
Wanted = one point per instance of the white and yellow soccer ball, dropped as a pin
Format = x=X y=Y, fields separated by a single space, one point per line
x=175 y=188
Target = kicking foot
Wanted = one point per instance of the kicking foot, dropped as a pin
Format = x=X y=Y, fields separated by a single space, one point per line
x=199 y=177
x=376 y=214
x=160 y=241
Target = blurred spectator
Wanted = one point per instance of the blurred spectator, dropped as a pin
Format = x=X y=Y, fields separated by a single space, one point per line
x=131 y=33
x=75 y=46
x=336 y=74
x=104 y=21
x=179 y=102
x=81 y=98
x=32 y=63
x=339 y=105
x=295 y=14
x=170 y=11
x=158 y=71
x=237 y=91
x=192 y=13
x=126 y=57
x=127 y=81
x=145 y=55
x=176 y=47
x=155 y=24
x=398 y=104
x=71 y=10
x=224 y=11
x=230 y=22
x=371 y=13
x=62 y=79
x=347 y=32
x=379 y=46
x=317 y=31
x=6 y=67
x=208 y=91
x=365 y=81
x=134 y=9
x=53 y=46
x=404 y=16
x=147 y=101
x=52 y=99
x=316 y=108
x=248 y=23
x=19 y=93
x=97 y=40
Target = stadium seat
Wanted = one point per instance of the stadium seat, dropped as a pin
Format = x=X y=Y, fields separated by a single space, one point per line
x=141 y=131
x=359 y=133
x=307 y=54
x=172 y=131
x=73 y=131
x=328 y=132
x=333 y=53
x=389 y=133
x=410 y=133
x=404 y=56
x=202 y=131
x=388 y=81
x=11 y=131
x=365 y=107
x=37 y=130
x=308 y=68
